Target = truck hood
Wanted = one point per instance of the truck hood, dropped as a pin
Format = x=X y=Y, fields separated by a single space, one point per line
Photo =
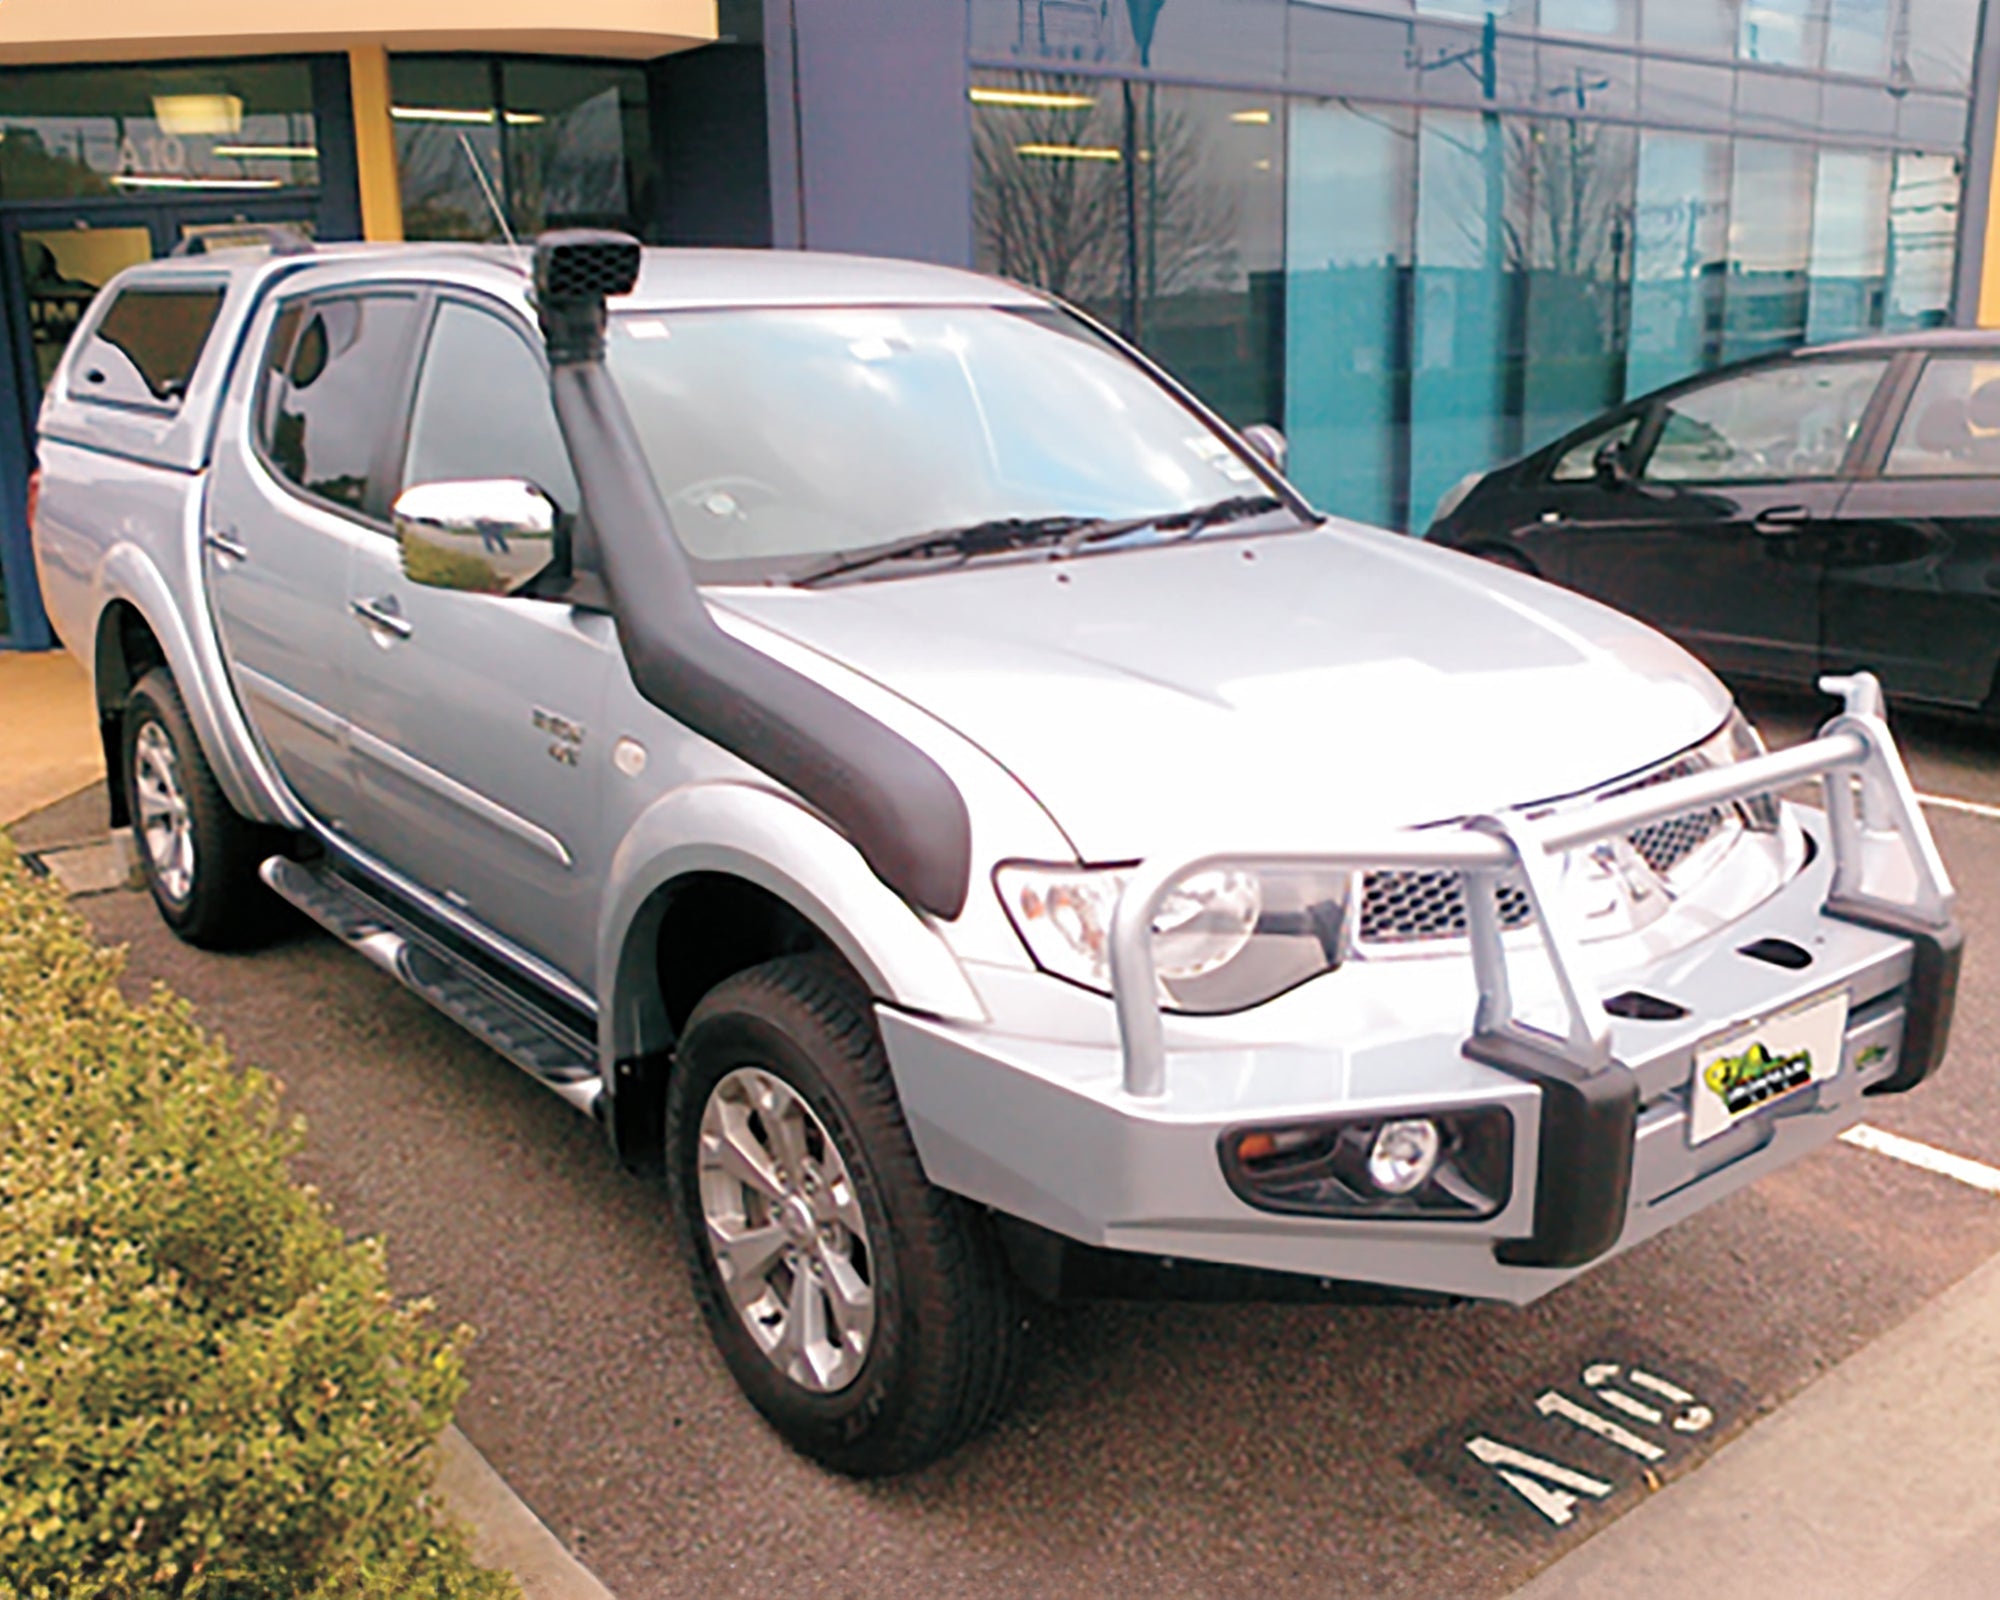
x=1270 y=690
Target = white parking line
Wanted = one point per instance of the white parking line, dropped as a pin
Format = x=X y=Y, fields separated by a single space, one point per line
x=1972 y=808
x=1974 y=1174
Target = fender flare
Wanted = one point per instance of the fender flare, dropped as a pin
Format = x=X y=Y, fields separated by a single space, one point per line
x=769 y=840
x=130 y=575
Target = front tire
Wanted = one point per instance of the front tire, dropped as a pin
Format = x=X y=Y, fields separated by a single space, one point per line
x=867 y=1314
x=198 y=856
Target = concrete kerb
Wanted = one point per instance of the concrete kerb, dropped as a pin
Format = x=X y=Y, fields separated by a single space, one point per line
x=502 y=1530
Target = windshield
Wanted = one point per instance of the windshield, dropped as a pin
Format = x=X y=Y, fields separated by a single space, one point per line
x=783 y=437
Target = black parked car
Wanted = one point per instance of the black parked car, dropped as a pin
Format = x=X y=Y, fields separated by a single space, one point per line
x=1798 y=514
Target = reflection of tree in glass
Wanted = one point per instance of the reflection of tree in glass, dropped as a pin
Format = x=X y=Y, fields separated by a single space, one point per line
x=29 y=170
x=1071 y=221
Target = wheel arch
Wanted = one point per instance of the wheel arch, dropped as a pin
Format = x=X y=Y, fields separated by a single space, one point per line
x=139 y=604
x=718 y=878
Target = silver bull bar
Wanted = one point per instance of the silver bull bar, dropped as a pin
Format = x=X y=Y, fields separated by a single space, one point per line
x=1869 y=801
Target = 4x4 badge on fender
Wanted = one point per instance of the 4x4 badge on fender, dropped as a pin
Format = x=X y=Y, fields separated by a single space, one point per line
x=568 y=735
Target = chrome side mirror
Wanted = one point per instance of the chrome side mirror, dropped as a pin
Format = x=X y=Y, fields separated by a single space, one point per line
x=1269 y=443
x=484 y=536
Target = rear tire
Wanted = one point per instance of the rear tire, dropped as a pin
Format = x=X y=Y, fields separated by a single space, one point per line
x=199 y=857
x=867 y=1314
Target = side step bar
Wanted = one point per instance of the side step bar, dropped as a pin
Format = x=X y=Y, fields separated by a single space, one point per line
x=501 y=1018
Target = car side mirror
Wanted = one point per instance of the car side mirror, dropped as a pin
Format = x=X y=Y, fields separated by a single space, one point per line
x=480 y=536
x=1614 y=467
x=1269 y=443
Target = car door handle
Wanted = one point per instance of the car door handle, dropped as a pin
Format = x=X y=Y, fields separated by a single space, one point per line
x=382 y=614
x=1781 y=522
x=226 y=544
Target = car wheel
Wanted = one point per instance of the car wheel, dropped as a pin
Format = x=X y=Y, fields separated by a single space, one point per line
x=199 y=857
x=867 y=1314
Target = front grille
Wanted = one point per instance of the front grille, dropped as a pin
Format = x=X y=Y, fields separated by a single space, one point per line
x=1666 y=844
x=1404 y=908
x=1408 y=907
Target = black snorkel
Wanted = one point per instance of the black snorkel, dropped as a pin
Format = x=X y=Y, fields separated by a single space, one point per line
x=889 y=799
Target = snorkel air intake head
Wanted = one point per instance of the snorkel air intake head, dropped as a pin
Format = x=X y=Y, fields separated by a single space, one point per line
x=576 y=271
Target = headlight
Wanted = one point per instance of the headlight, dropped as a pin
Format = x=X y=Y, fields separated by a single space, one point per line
x=1222 y=939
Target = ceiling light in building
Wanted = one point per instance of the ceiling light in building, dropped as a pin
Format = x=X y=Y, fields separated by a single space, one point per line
x=266 y=152
x=525 y=119
x=1258 y=118
x=142 y=180
x=1034 y=98
x=440 y=114
x=1069 y=152
x=184 y=114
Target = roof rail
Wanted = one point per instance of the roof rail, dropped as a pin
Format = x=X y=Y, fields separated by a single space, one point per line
x=280 y=238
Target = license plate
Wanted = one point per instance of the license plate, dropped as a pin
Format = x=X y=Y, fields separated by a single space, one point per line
x=1743 y=1071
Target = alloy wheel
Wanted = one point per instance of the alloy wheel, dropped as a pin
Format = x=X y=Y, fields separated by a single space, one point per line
x=165 y=827
x=786 y=1231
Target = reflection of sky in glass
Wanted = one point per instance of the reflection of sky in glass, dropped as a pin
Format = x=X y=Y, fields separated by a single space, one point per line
x=1857 y=36
x=1778 y=31
x=1923 y=227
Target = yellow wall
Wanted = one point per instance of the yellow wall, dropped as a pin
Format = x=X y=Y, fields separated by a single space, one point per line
x=138 y=30
x=1989 y=282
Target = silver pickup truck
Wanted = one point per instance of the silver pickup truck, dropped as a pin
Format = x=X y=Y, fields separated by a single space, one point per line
x=928 y=786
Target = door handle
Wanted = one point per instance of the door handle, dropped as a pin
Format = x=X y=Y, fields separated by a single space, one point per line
x=382 y=614
x=226 y=544
x=1781 y=522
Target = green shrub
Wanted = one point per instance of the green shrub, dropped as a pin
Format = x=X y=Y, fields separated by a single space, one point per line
x=205 y=1390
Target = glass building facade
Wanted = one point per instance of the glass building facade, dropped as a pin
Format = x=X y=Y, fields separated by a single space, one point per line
x=1424 y=236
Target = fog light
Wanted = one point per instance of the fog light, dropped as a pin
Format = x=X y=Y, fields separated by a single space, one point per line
x=1404 y=1156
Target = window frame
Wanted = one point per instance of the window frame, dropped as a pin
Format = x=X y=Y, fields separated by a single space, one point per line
x=1859 y=447
x=510 y=318
x=1912 y=365
x=385 y=462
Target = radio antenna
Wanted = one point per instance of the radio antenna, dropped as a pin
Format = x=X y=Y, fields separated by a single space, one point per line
x=486 y=188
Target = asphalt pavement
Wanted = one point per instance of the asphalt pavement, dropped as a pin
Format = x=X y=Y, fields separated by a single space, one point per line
x=1155 y=1449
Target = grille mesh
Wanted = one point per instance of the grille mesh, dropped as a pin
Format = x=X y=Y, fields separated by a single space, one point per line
x=1415 y=907
x=1406 y=907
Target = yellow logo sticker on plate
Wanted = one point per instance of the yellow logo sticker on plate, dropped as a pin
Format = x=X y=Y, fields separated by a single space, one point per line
x=1737 y=1073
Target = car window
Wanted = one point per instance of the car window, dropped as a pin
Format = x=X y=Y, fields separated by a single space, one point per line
x=1791 y=421
x=483 y=409
x=145 y=348
x=1952 y=428
x=1578 y=464
x=332 y=375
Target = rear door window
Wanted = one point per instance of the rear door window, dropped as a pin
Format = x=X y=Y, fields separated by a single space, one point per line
x=144 y=349
x=333 y=383
x=1952 y=428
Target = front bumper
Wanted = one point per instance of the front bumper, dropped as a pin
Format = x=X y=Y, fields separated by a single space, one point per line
x=1116 y=1145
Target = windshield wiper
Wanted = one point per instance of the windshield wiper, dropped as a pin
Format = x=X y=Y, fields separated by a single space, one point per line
x=1186 y=523
x=1021 y=533
x=980 y=538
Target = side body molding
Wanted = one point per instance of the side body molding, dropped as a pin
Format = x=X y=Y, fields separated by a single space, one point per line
x=776 y=844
